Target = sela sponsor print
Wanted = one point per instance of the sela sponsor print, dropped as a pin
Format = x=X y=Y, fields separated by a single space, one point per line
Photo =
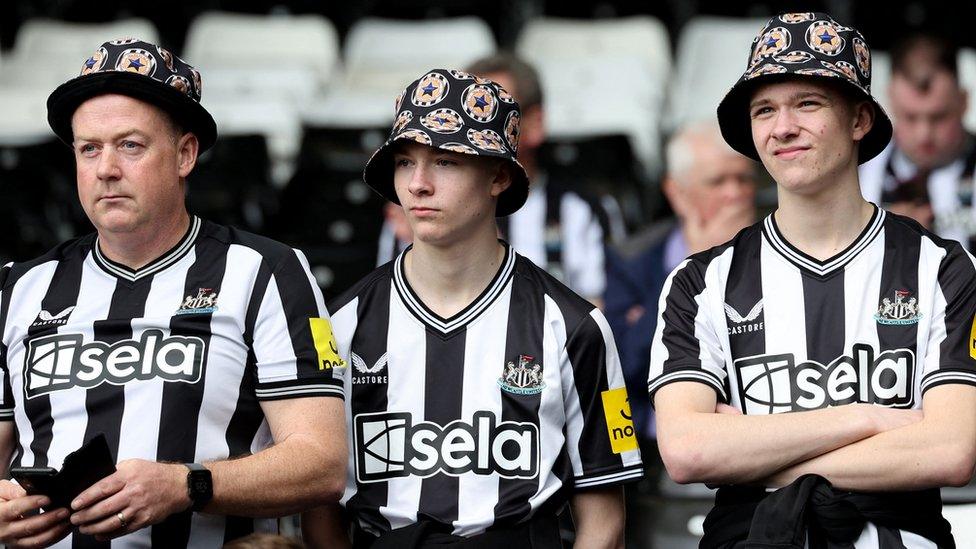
x=769 y=384
x=390 y=445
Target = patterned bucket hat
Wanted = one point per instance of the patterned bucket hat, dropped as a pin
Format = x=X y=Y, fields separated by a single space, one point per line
x=141 y=70
x=459 y=112
x=805 y=45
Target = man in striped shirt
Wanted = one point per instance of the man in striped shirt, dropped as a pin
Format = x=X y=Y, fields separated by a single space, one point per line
x=182 y=342
x=832 y=343
x=482 y=394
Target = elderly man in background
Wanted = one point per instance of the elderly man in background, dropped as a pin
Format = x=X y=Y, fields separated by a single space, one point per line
x=711 y=189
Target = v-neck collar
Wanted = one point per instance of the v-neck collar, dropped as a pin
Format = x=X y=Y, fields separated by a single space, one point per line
x=174 y=254
x=827 y=267
x=447 y=326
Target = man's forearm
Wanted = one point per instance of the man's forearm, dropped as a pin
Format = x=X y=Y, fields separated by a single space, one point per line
x=937 y=451
x=698 y=445
x=290 y=476
x=599 y=517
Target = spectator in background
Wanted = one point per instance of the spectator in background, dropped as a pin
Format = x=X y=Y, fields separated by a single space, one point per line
x=711 y=189
x=927 y=171
x=555 y=213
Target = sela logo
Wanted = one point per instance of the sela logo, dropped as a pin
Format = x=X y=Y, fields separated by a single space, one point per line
x=368 y=374
x=903 y=310
x=63 y=361
x=744 y=324
x=45 y=318
x=771 y=384
x=204 y=302
x=388 y=445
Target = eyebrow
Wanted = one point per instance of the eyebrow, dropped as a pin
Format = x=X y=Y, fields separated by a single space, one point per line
x=791 y=99
x=115 y=137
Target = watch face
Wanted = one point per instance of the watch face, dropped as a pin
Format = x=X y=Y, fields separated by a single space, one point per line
x=201 y=486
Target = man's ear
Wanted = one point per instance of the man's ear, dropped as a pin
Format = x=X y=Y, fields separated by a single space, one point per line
x=675 y=195
x=502 y=179
x=187 y=149
x=863 y=119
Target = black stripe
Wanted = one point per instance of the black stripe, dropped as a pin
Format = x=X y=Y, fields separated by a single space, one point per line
x=62 y=292
x=442 y=405
x=680 y=310
x=523 y=336
x=743 y=291
x=823 y=310
x=899 y=272
x=247 y=417
x=181 y=402
x=299 y=305
x=957 y=280
x=890 y=538
x=106 y=402
x=587 y=353
x=8 y=396
x=369 y=342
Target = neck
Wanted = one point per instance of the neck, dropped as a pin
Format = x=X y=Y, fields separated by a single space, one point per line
x=448 y=278
x=138 y=248
x=823 y=224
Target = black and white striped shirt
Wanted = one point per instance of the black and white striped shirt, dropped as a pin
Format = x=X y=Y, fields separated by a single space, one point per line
x=169 y=361
x=485 y=418
x=774 y=330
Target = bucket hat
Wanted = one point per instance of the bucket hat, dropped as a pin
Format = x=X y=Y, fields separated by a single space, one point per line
x=803 y=45
x=140 y=70
x=456 y=111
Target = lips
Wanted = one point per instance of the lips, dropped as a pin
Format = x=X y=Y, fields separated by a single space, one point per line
x=790 y=152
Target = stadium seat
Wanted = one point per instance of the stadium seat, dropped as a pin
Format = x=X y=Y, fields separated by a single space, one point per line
x=602 y=78
x=48 y=52
x=711 y=56
x=382 y=56
x=259 y=55
x=881 y=78
x=24 y=114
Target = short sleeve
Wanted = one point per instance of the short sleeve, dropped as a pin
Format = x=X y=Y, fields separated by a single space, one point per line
x=951 y=351
x=686 y=346
x=293 y=346
x=599 y=428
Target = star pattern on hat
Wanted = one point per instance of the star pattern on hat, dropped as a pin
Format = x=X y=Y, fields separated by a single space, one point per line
x=479 y=102
x=771 y=42
x=826 y=38
x=90 y=62
x=135 y=63
x=429 y=89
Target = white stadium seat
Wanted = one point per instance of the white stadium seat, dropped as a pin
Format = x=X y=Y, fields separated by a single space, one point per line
x=382 y=56
x=712 y=54
x=293 y=57
x=602 y=77
x=967 y=77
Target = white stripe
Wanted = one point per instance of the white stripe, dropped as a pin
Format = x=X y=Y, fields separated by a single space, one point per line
x=838 y=262
x=609 y=479
x=688 y=375
x=659 y=351
x=484 y=358
x=574 y=411
x=300 y=390
x=406 y=346
x=272 y=344
x=25 y=303
x=862 y=286
x=345 y=322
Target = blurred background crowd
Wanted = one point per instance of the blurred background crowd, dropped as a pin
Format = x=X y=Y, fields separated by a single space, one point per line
x=629 y=172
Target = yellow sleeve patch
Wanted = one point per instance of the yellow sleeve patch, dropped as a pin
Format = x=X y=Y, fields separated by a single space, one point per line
x=325 y=344
x=620 y=426
x=972 y=340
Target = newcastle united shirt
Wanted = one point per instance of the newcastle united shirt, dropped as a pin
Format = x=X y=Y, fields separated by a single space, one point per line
x=169 y=361
x=484 y=418
x=774 y=330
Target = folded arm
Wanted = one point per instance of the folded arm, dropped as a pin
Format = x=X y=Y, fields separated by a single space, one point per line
x=699 y=445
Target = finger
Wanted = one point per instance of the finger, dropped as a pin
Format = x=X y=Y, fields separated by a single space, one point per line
x=9 y=490
x=102 y=489
x=111 y=526
x=42 y=530
x=103 y=510
x=14 y=509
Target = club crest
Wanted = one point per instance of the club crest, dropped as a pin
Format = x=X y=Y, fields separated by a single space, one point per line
x=431 y=90
x=523 y=379
x=902 y=311
x=205 y=301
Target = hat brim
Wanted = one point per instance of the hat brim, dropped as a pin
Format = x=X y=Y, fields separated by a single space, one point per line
x=189 y=114
x=736 y=125
x=378 y=174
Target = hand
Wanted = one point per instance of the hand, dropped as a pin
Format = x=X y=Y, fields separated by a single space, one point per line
x=21 y=527
x=701 y=234
x=140 y=493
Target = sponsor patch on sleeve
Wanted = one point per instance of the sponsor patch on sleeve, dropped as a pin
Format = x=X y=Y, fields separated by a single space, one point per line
x=620 y=426
x=325 y=344
x=972 y=340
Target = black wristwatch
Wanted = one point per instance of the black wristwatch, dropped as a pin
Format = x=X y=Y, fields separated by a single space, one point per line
x=199 y=485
